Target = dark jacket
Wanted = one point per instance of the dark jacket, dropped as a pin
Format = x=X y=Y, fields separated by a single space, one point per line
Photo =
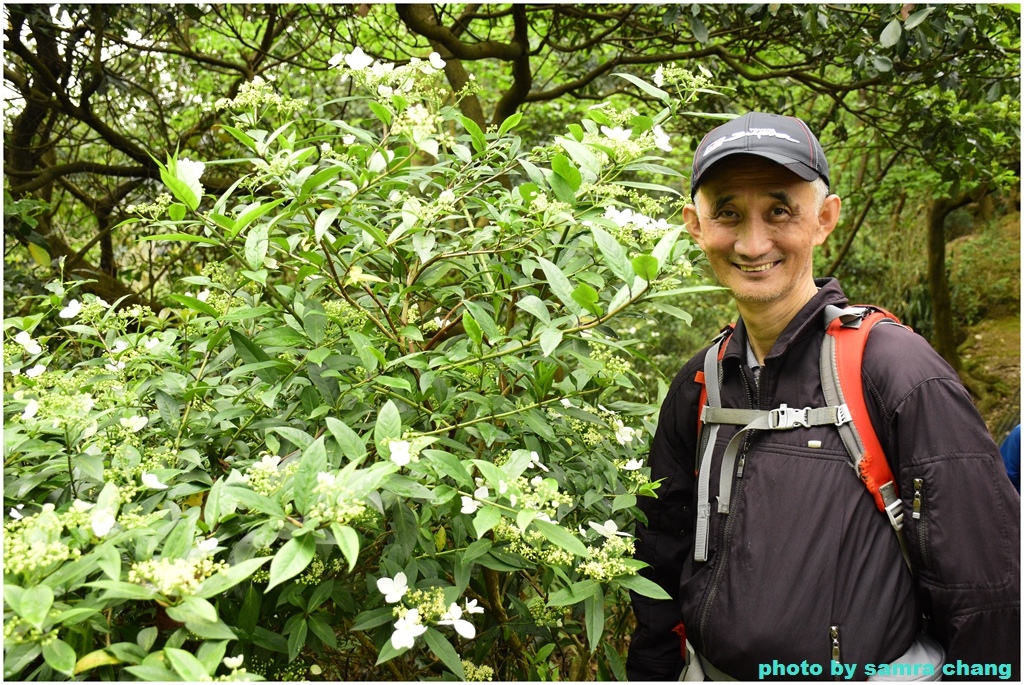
x=803 y=548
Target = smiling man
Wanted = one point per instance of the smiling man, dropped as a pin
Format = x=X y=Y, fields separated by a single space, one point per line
x=779 y=563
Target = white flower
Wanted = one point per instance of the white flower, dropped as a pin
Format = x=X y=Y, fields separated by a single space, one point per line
x=152 y=481
x=659 y=77
x=119 y=347
x=469 y=505
x=537 y=481
x=618 y=133
x=393 y=589
x=203 y=296
x=233 y=662
x=608 y=529
x=188 y=172
x=502 y=487
x=661 y=139
x=15 y=514
x=358 y=60
x=71 y=311
x=348 y=140
x=116 y=366
x=453 y=617
x=385 y=91
x=566 y=403
x=270 y=461
x=436 y=61
x=103 y=303
x=26 y=341
x=102 y=522
x=624 y=434
x=79 y=505
x=472 y=608
x=400 y=452
x=15 y=372
x=407 y=629
x=36 y=370
x=134 y=423
x=30 y=410
x=337 y=59
x=481 y=493
x=535 y=459
x=633 y=465
x=152 y=342
x=206 y=546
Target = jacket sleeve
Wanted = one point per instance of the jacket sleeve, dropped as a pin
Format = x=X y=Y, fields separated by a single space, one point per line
x=961 y=513
x=665 y=540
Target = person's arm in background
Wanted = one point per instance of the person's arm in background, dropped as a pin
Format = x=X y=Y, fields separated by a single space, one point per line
x=666 y=539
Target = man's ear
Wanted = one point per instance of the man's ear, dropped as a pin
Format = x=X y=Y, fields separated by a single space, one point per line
x=828 y=217
x=692 y=221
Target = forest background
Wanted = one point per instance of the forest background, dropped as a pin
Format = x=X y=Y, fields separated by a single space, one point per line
x=430 y=252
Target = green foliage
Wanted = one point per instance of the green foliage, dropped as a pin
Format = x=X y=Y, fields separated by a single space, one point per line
x=394 y=434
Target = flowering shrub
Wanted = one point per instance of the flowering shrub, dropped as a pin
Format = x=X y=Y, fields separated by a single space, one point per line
x=390 y=431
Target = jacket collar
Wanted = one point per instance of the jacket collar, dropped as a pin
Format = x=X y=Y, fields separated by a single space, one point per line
x=808 y=320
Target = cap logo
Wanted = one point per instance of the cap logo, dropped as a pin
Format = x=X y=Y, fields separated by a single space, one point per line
x=759 y=132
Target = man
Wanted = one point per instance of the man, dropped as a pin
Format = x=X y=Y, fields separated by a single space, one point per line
x=802 y=575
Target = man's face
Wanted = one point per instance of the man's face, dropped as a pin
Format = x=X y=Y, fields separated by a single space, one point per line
x=758 y=223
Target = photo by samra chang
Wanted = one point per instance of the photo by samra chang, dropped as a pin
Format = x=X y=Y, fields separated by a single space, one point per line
x=778 y=669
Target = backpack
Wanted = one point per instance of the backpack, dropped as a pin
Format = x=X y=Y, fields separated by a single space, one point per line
x=841 y=357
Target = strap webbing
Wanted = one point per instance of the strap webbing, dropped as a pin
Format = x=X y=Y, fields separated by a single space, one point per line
x=709 y=433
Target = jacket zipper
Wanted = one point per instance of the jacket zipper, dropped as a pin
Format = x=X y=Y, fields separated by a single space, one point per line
x=727 y=531
x=922 y=523
x=833 y=634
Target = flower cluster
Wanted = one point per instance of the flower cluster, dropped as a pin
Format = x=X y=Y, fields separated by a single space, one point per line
x=417 y=608
x=476 y=673
x=543 y=615
x=531 y=545
x=686 y=83
x=634 y=227
x=177 y=578
x=155 y=210
x=265 y=476
x=609 y=560
x=345 y=315
x=33 y=543
x=335 y=502
x=612 y=365
x=252 y=95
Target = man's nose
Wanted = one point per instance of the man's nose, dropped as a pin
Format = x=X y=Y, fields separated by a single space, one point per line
x=753 y=239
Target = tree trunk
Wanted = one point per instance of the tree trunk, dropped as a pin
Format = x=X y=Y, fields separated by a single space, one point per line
x=944 y=337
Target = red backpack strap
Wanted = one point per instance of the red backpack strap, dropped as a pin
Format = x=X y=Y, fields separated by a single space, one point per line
x=722 y=336
x=842 y=360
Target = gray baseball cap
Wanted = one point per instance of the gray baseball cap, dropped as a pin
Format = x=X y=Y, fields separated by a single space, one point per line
x=784 y=140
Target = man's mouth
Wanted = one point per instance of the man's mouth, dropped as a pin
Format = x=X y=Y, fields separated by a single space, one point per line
x=754 y=269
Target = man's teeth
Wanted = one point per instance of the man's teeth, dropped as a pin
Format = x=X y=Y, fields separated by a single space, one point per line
x=751 y=269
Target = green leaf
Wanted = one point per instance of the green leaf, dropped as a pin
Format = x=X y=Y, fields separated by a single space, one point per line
x=250 y=353
x=485 y=519
x=561 y=165
x=291 y=560
x=116 y=589
x=60 y=656
x=574 y=593
x=256 y=246
x=322 y=630
x=614 y=254
x=560 y=285
x=348 y=543
x=881 y=63
x=593 y=607
x=700 y=31
x=444 y=651
x=183 y=237
x=561 y=537
x=193 y=609
x=646 y=87
x=185 y=664
x=324 y=221
x=916 y=18
x=35 y=605
x=472 y=329
x=510 y=123
x=176 y=211
x=588 y=162
x=588 y=297
x=312 y=463
x=534 y=305
x=479 y=140
x=550 y=339
x=194 y=304
x=253 y=213
x=643 y=586
x=40 y=255
x=94 y=660
x=388 y=427
x=646 y=267
x=297 y=639
x=348 y=440
x=891 y=34
x=373 y=618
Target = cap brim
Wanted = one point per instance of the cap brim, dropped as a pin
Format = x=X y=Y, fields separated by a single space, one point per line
x=799 y=168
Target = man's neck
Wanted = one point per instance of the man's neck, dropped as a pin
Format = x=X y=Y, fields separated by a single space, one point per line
x=765 y=321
